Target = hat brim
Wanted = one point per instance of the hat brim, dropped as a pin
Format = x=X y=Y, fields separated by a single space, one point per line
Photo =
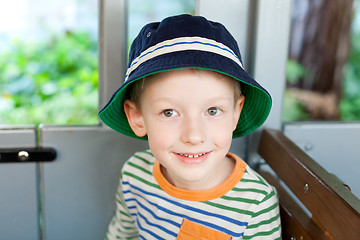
x=257 y=100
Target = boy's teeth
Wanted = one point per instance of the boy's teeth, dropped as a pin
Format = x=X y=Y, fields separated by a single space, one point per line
x=192 y=156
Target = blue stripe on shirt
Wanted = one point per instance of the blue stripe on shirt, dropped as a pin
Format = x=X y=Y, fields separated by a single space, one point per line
x=155 y=216
x=148 y=231
x=222 y=217
x=219 y=228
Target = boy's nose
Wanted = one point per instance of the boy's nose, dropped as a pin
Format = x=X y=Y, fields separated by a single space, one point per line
x=193 y=131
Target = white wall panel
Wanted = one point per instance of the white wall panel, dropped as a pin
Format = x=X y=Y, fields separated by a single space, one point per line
x=335 y=146
x=80 y=185
x=18 y=189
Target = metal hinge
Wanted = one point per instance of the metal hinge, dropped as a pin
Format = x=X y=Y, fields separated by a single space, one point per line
x=15 y=155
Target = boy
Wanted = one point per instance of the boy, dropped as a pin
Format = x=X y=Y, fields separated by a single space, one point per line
x=185 y=92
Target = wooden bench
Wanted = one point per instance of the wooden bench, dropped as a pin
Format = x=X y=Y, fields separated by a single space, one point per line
x=333 y=212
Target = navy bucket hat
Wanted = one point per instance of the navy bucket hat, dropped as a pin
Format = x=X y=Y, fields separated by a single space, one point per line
x=187 y=41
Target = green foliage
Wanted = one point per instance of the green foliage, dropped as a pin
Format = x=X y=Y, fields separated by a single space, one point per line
x=292 y=109
x=294 y=71
x=54 y=81
x=350 y=102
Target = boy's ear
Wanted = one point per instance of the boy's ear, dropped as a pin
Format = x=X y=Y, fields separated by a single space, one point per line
x=135 y=118
x=237 y=110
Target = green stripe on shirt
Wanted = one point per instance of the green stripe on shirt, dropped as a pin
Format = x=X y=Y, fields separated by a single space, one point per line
x=141 y=180
x=233 y=209
x=267 y=233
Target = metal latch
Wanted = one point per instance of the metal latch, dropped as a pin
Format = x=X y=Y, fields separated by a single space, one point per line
x=38 y=154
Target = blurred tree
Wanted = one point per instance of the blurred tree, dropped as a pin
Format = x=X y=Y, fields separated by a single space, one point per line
x=320 y=42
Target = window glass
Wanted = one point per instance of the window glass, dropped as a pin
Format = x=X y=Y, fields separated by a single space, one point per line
x=48 y=62
x=323 y=71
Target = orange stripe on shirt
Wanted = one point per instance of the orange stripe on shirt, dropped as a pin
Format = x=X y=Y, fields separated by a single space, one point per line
x=202 y=195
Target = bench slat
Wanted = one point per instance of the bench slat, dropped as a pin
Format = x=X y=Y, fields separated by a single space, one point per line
x=296 y=224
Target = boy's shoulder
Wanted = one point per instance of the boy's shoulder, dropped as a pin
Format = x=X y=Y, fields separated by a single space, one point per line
x=138 y=169
x=254 y=180
x=142 y=159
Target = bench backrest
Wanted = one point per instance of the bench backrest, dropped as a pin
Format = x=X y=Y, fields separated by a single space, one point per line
x=335 y=210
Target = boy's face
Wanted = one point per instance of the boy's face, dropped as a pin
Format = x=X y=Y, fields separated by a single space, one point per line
x=189 y=117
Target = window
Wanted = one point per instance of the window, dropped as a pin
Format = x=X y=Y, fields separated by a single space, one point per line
x=323 y=73
x=48 y=62
x=49 y=57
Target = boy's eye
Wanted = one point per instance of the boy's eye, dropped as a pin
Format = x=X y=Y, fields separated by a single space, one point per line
x=213 y=111
x=169 y=113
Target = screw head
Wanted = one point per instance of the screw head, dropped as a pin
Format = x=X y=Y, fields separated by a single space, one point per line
x=23 y=156
x=308 y=146
x=306 y=188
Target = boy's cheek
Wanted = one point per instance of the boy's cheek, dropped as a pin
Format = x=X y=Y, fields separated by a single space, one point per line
x=160 y=134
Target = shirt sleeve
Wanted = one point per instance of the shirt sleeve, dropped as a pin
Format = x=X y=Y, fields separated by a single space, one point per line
x=122 y=226
x=265 y=221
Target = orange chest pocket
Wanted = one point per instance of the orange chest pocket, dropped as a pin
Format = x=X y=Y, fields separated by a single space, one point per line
x=191 y=231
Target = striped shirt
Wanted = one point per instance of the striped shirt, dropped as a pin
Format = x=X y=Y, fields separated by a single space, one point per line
x=245 y=206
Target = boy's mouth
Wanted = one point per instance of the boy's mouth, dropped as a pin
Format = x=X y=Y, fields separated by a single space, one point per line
x=192 y=158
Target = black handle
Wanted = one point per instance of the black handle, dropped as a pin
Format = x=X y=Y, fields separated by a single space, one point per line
x=39 y=154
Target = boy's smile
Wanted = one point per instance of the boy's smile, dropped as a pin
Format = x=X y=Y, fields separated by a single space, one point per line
x=192 y=158
x=189 y=116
